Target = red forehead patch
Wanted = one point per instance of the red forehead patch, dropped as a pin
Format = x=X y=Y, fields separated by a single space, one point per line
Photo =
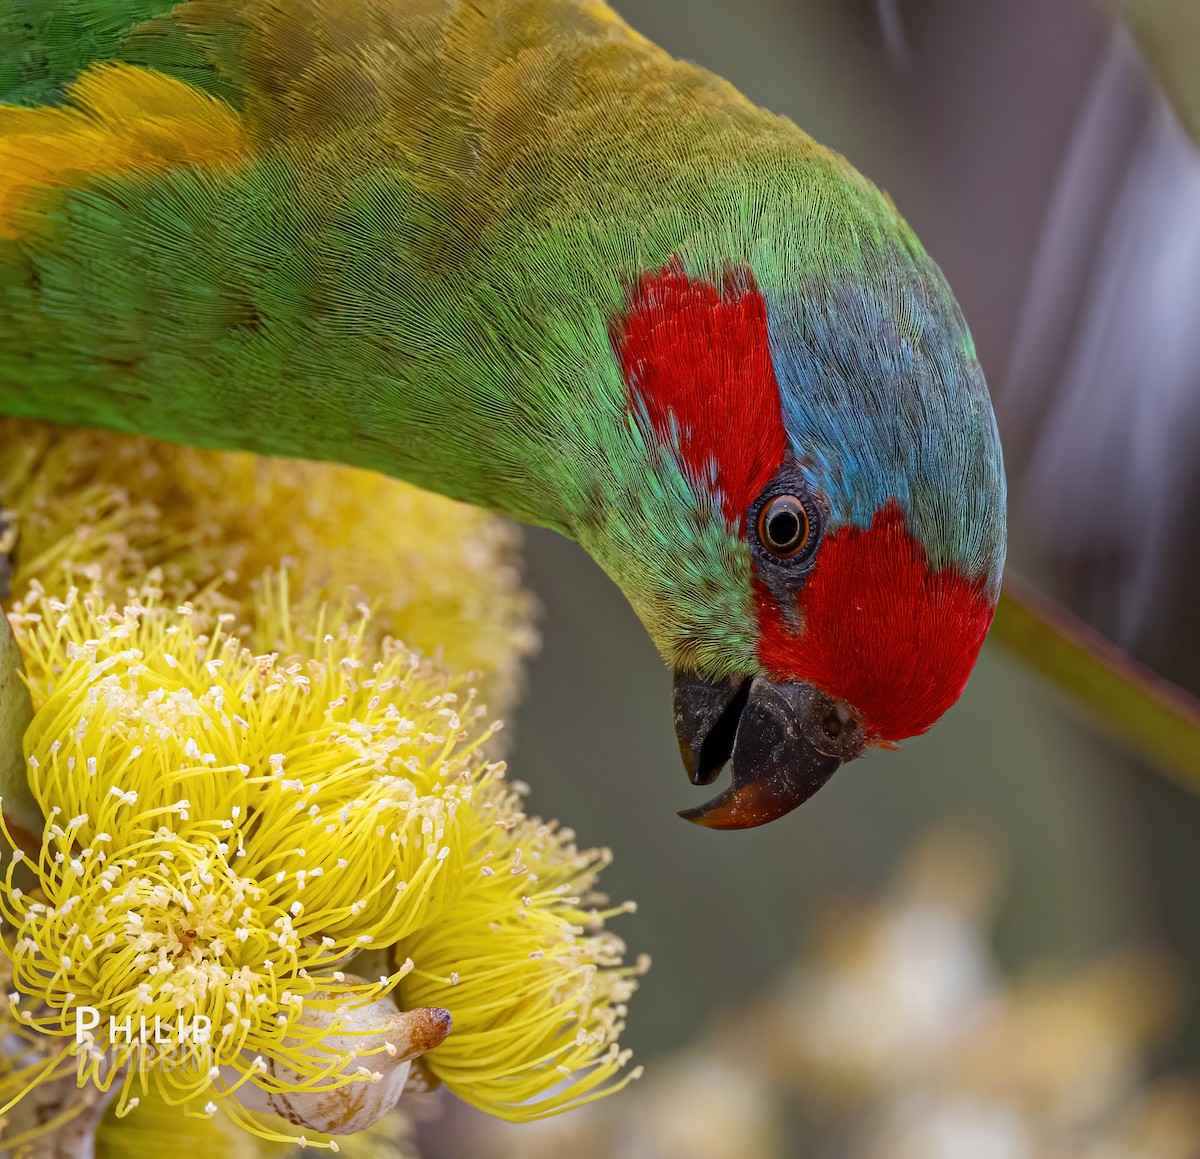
x=697 y=357
x=881 y=631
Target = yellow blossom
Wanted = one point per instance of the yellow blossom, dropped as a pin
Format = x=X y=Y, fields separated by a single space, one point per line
x=225 y=829
x=439 y=575
x=535 y=981
x=157 y=1128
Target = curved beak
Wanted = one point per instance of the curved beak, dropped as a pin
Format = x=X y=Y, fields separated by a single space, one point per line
x=785 y=739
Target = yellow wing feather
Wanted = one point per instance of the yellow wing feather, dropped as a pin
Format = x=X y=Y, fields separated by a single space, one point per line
x=120 y=119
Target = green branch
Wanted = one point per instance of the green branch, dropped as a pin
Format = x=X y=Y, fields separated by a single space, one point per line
x=1135 y=705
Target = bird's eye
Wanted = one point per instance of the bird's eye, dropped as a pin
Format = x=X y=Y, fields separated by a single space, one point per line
x=784 y=527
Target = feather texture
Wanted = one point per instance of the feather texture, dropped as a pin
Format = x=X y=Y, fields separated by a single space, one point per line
x=119 y=120
x=410 y=235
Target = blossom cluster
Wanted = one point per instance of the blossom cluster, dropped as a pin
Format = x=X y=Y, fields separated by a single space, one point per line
x=264 y=814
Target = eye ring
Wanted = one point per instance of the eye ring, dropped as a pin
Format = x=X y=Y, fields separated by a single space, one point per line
x=785 y=527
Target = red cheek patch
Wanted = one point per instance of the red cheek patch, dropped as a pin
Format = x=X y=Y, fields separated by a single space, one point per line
x=697 y=358
x=880 y=631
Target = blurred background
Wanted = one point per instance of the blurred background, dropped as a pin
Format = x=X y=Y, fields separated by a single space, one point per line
x=1029 y=146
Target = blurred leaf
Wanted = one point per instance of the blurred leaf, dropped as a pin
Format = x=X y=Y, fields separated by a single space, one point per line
x=1168 y=33
x=1158 y=719
x=21 y=813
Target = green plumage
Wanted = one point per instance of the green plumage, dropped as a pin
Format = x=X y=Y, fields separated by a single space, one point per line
x=419 y=266
x=416 y=267
x=44 y=46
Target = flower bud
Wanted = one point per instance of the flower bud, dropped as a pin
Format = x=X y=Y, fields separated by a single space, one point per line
x=382 y=1042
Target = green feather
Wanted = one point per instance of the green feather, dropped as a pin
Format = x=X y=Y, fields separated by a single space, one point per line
x=45 y=44
x=417 y=267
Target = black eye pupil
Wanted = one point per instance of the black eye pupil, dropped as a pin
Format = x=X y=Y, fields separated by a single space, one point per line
x=783 y=529
x=784 y=526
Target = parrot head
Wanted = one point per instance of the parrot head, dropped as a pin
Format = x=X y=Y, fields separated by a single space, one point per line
x=811 y=521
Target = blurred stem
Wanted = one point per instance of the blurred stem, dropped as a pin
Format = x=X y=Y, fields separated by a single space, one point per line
x=22 y=817
x=75 y=1110
x=1168 y=34
x=1158 y=719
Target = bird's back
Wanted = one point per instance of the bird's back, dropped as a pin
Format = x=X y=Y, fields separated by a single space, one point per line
x=478 y=101
x=317 y=227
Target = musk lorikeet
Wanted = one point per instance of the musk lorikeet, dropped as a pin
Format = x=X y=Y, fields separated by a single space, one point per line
x=513 y=252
